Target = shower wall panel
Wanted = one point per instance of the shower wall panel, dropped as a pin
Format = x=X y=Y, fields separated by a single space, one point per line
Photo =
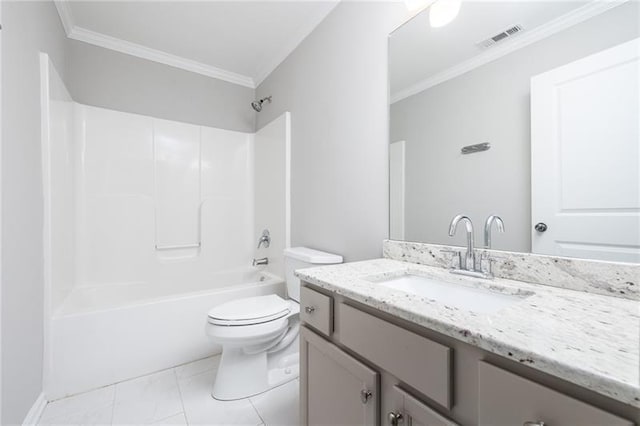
x=272 y=189
x=177 y=184
x=115 y=203
x=148 y=187
x=227 y=196
x=58 y=152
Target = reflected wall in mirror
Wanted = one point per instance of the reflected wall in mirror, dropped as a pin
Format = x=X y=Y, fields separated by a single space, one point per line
x=553 y=89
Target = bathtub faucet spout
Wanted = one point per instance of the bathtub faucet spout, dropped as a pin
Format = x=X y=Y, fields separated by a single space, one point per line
x=263 y=261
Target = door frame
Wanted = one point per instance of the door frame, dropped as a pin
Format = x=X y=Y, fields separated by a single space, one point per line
x=1 y=280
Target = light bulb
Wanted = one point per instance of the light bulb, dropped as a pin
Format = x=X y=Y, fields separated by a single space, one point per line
x=443 y=11
x=415 y=5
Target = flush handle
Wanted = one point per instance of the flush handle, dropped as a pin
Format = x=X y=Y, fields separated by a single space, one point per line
x=309 y=309
x=540 y=227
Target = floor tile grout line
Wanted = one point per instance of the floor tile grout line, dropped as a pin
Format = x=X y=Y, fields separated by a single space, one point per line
x=168 y=417
x=67 y=397
x=184 y=409
x=113 y=404
x=256 y=410
x=175 y=375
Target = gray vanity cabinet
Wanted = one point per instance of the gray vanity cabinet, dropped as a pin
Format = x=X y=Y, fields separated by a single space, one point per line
x=317 y=311
x=336 y=389
x=413 y=359
x=506 y=399
x=410 y=411
x=360 y=366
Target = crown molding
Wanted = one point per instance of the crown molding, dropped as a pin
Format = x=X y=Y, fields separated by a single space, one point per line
x=133 y=49
x=65 y=15
x=108 y=42
x=290 y=46
x=552 y=27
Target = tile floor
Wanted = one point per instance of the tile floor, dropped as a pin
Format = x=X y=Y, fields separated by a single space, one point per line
x=178 y=396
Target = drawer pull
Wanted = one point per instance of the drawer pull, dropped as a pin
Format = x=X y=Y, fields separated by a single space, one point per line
x=533 y=424
x=395 y=418
x=365 y=395
x=309 y=309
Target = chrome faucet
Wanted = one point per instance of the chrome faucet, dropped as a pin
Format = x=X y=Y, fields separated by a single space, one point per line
x=260 y=262
x=468 y=264
x=469 y=259
x=265 y=239
x=487 y=228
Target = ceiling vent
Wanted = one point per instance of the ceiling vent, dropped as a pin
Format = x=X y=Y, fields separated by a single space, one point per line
x=501 y=36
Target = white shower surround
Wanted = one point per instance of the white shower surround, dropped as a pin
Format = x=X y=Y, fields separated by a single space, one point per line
x=119 y=188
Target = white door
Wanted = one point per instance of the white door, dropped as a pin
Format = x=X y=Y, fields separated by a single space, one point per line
x=396 y=190
x=585 y=157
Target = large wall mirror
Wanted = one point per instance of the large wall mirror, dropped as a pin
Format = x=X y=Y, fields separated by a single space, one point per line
x=525 y=110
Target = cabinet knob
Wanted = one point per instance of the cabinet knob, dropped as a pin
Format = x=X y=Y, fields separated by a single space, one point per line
x=395 y=418
x=309 y=309
x=365 y=395
x=533 y=424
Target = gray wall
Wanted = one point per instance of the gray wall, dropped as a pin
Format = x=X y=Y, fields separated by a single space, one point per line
x=109 y=79
x=335 y=85
x=489 y=104
x=27 y=28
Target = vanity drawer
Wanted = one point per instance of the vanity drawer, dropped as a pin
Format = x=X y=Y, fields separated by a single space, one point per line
x=417 y=361
x=506 y=399
x=316 y=310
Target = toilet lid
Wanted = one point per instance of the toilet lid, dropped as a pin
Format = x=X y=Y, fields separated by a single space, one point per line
x=250 y=310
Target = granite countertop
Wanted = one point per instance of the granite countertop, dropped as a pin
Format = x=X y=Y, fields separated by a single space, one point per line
x=588 y=339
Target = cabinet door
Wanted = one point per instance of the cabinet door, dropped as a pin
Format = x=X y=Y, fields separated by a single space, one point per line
x=336 y=389
x=506 y=399
x=413 y=412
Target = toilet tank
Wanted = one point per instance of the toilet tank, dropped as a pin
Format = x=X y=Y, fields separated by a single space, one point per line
x=304 y=257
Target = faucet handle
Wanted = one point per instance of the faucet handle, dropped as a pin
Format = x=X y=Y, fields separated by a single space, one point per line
x=486 y=262
x=456 y=253
x=265 y=239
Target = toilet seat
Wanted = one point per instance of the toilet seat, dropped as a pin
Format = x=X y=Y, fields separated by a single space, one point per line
x=249 y=311
x=256 y=333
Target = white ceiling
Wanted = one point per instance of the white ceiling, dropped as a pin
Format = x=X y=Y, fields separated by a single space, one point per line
x=420 y=55
x=238 y=41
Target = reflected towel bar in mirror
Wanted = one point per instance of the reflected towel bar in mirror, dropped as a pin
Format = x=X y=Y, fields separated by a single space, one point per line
x=479 y=147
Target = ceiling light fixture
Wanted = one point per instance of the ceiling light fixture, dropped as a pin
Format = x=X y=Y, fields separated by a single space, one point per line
x=443 y=12
x=415 y=5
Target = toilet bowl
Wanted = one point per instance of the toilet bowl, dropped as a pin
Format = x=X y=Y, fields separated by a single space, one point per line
x=259 y=335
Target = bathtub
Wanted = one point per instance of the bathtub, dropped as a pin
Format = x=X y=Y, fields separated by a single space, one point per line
x=105 y=334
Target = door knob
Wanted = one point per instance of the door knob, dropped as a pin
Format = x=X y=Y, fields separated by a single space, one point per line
x=540 y=227
x=395 y=418
x=309 y=309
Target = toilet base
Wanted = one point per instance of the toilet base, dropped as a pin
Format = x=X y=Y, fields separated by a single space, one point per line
x=242 y=375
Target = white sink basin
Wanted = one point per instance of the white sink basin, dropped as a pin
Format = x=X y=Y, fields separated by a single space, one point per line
x=476 y=299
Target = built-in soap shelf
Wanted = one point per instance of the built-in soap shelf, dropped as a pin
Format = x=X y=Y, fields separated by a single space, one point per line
x=177 y=246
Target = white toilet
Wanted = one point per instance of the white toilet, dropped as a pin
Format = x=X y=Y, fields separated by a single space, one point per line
x=259 y=335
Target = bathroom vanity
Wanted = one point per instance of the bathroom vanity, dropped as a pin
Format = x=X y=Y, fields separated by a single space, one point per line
x=535 y=136
x=376 y=349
